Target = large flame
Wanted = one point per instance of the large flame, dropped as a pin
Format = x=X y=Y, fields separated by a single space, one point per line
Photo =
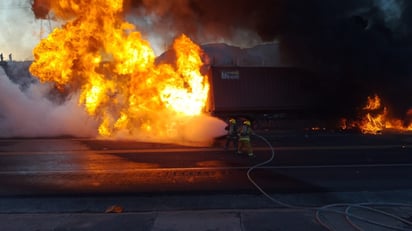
x=113 y=67
x=375 y=118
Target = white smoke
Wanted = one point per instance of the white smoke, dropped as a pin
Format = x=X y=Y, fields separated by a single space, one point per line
x=20 y=30
x=31 y=114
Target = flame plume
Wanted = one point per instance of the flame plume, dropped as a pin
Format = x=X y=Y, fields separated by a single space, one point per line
x=111 y=65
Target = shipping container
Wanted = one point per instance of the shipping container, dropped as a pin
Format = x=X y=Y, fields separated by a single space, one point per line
x=256 y=90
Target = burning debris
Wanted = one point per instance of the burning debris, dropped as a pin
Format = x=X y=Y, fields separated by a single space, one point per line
x=375 y=118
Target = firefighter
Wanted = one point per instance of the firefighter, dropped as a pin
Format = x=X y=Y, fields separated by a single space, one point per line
x=231 y=136
x=244 y=133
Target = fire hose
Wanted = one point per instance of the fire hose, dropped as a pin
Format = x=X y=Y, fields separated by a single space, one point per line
x=349 y=216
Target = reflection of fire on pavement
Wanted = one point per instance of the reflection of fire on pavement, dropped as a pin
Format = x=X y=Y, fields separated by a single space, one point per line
x=104 y=60
x=375 y=118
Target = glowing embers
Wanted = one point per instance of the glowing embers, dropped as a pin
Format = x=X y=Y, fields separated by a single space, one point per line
x=111 y=67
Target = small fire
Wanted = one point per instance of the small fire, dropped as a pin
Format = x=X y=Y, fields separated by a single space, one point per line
x=376 y=118
x=111 y=65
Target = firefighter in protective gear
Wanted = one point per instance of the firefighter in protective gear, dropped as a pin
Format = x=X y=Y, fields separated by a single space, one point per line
x=231 y=136
x=244 y=132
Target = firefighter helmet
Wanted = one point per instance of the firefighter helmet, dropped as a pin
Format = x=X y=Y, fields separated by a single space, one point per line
x=246 y=122
x=232 y=121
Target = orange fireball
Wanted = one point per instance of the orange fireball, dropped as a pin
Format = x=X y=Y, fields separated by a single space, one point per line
x=112 y=68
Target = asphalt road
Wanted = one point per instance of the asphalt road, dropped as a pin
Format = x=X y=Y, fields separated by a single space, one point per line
x=313 y=162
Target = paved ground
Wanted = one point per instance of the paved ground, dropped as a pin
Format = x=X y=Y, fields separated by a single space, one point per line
x=337 y=210
x=208 y=212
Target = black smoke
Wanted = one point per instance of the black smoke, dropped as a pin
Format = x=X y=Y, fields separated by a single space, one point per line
x=359 y=47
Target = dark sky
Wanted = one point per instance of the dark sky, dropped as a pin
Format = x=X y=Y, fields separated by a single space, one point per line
x=361 y=46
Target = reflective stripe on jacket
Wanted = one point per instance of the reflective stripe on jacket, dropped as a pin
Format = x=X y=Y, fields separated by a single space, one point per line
x=244 y=138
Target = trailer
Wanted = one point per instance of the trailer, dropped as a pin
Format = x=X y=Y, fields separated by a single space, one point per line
x=263 y=93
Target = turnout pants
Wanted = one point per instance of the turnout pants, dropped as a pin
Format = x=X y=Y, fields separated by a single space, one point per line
x=244 y=145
